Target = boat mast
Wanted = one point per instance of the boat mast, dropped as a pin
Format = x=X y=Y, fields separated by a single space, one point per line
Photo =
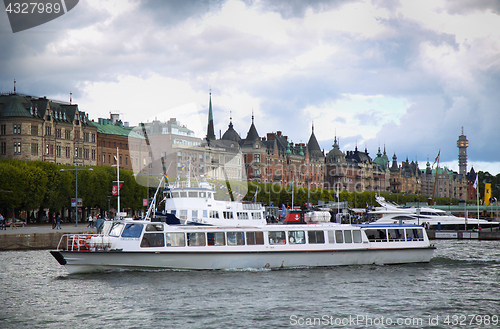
x=436 y=178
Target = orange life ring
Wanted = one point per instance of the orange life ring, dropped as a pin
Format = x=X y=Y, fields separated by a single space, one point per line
x=85 y=242
x=78 y=242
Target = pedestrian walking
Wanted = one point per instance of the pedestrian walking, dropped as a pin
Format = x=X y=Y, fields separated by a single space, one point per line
x=58 y=222
x=2 y=223
x=90 y=221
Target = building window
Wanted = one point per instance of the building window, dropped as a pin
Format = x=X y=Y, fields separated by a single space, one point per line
x=77 y=134
x=17 y=129
x=34 y=130
x=2 y=130
x=67 y=134
x=48 y=131
x=93 y=155
x=58 y=133
x=68 y=152
x=103 y=158
x=93 y=138
x=34 y=149
x=58 y=151
x=86 y=153
x=86 y=137
x=17 y=148
x=3 y=147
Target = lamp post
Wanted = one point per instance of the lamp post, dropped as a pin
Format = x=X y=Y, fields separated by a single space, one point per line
x=76 y=188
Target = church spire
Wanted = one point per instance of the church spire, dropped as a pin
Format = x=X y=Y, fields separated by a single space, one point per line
x=210 y=128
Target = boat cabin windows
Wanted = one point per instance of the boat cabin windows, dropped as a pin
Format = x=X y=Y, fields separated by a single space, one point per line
x=331 y=236
x=256 y=215
x=228 y=214
x=154 y=227
x=356 y=236
x=242 y=215
x=193 y=194
x=209 y=195
x=183 y=194
x=216 y=239
x=277 y=237
x=196 y=239
x=183 y=214
x=153 y=240
x=194 y=214
x=174 y=194
x=347 y=236
x=203 y=194
x=255 y=238
x=396 y=234
x=132 y=231
x=376 y=235
x=175 y=239
x=339 y=237
x=316 y=236
x=296 y=237
x=116 y=229
x=214 y=214
x=235 y=239
x=414 y=234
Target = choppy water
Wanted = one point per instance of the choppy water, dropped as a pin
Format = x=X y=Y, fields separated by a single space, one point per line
x=462 y=280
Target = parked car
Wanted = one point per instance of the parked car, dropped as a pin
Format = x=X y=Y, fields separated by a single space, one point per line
x=17 y=222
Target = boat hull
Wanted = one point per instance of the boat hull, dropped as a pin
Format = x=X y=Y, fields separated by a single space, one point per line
x=81 y=262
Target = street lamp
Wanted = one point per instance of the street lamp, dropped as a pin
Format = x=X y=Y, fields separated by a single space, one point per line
x=76 y=188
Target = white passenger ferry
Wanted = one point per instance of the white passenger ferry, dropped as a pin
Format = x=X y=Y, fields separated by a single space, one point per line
x=146 y=244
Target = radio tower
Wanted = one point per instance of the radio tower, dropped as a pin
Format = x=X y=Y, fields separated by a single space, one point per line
x=462 y=145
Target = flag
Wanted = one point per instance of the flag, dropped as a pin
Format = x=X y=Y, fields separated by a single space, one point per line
x=254 y=199
x=437 y=158
x=337 y=191
x=166 y=177
x=283 y=210
x=475 y=183
x=291 y=186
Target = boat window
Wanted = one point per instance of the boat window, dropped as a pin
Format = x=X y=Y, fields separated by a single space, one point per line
x=347 y=236
x=154 y=227
x=235 y=239
x=215 y=239
x=331 y=235
x=214 y=214
x=175 y=239
x=356 y=236
x=205 y=213
x=242 y=215
x=316 y=236
x=183 y=194
x=376 y=235
x=203 y=195
x=296 y=237
x=395 y=234
x=196 y=239
x=414 y=234
x=175 y=194
x=277 y=237
x=209 y=195
x=194 y=214
x=183 y=214
x=152 y=240
x=228 y=214
x=132 y=231
x=339 y=237
x=193 y=194
x=256 y=215
x=255 y=238
x=116 y=229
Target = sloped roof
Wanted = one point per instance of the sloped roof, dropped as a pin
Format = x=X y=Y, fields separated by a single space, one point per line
x=15 y=106
x=231 y=134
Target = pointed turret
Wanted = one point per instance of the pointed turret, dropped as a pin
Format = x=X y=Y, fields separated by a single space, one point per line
x=210 y=128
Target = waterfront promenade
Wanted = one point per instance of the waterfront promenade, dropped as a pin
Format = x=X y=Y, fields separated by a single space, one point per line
x=38 y=236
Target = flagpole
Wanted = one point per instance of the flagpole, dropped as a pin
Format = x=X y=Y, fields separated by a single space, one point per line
x=477 y=197
x=118 y=176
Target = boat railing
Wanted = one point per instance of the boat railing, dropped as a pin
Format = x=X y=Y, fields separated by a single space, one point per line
x=84 y=242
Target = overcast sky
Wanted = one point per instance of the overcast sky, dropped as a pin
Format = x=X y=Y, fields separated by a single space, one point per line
x=407 y=75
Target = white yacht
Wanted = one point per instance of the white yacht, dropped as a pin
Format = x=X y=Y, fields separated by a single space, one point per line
x=433 y=218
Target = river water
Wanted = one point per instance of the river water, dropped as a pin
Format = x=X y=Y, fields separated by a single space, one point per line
x=459 y=288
